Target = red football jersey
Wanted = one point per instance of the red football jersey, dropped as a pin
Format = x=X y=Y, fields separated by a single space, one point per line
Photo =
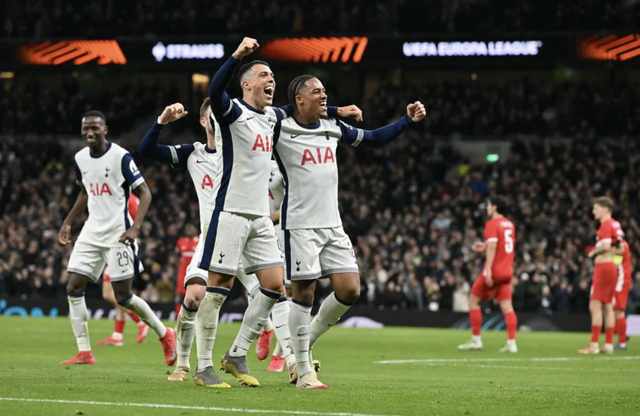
x=187 y=247
x=626 y=262
x=502 y=231
x=134 y=203
x=609 y=230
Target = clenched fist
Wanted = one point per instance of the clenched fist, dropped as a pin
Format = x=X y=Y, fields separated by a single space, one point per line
x=247 y=47
x=416 y=111
x=171 y=113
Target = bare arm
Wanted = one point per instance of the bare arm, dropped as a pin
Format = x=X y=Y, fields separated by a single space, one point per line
x=141 y=191
x=80 y=206
x=602 y=247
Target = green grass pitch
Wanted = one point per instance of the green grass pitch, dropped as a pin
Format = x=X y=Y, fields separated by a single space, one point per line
x=546 y=377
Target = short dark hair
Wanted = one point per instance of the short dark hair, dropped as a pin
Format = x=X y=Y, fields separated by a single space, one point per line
x=246 y=67
x=295 y=86
x=501 y=203
x=605 y=202
x=203 y=107
x=94 y=113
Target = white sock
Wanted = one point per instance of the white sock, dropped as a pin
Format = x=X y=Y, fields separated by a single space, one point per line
x=477 y=339
x=623 y=344
x=143 y=310
x=185 y=332
x=254 y=319
x=141 y=323
x=78 y=316
x=328 y=315
x=207 y=324
x=299 y=322
x=280 y=316
x=268 y=326
x=117 y=336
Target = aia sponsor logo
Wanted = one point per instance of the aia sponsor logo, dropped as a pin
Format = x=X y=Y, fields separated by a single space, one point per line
x=317 y=156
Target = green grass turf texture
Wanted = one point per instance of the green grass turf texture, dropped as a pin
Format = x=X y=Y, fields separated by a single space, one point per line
x=515 y=384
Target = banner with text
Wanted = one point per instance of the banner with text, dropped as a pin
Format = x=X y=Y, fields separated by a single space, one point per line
x=356 y=317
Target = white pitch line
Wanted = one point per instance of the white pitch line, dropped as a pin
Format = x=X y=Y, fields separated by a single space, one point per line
x=505 y=360
x=175 y=406
x=523 y=367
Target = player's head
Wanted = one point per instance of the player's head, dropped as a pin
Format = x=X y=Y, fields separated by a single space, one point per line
x=308 y=96
x=602 y=207
x=205 y=116
x=258 y=84
x=191 y=230
x=497 y=205
x=94 y=128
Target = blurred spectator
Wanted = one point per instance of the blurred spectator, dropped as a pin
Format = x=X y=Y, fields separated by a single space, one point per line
x=40 y=18
x=461 y=296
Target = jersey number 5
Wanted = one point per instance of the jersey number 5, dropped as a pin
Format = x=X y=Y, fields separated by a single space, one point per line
x=508 y=241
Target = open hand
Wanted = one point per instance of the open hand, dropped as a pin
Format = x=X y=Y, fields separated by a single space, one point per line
x=171 y=113
x=416 y=111
x=247 y=47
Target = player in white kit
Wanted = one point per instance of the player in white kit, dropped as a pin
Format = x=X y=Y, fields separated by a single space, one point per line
x=106 y=173
x=200 y=161
x=238 y=212
x=315 y=243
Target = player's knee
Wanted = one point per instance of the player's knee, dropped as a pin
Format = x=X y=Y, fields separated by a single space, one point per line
x=349 y=294
x=74 y=288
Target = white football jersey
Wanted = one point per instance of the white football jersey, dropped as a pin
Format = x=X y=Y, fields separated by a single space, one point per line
x=107 y=179
x=244 y=140
x=307 y=158
x=201 y=163
x=276 y=188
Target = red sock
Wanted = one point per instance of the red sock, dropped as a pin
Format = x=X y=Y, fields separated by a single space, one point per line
x=178 y=307
x=621 y=330
x=119 y=327
x=511 y=322
x=595 y=333
x=608 y=332
x=475 y=320
x=135 y=317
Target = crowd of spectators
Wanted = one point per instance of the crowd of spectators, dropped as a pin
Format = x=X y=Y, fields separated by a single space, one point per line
x=100 y=19
x=570 y=109
x=29 y=106
x=412 y=210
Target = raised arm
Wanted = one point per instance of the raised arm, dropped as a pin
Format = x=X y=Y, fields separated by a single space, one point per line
x=220 y=101
x=149 y=147
x=386 y=134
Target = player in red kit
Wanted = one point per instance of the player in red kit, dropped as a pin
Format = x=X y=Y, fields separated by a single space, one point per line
x=621 y=296
x=187 y=247
x=116 y=338
x=605 y=277
x=495 y=280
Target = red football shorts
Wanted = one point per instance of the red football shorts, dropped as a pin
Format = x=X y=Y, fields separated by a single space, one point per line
x=603 y=287
x=620 y=298
x=500 y=290
x=105 y=277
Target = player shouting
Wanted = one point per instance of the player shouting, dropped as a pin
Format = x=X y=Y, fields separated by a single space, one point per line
x=315 y=243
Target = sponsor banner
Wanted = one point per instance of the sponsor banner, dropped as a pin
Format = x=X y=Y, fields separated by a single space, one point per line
x=354 y=318
x=207 y=53
x=610 y=47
